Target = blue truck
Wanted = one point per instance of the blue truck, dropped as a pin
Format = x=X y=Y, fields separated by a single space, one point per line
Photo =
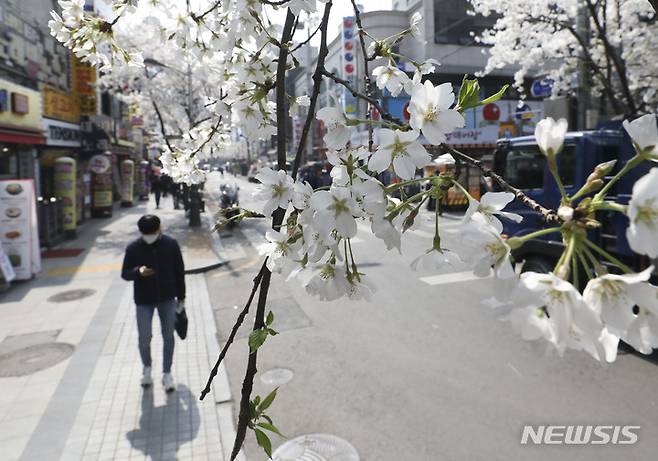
x=519 y=161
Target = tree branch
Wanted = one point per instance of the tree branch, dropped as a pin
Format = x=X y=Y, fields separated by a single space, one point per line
x=310 y=37
x=616 y=61
x=550 y=216
x=385 y=115
x=317 y=81
x=366 y=71
x=234 y=331
x=162 y=126
x=279 y=214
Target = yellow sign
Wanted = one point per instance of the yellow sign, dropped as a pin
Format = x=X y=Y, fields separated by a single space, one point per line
x=65 y=188
x=19 y=106
x=84 y=79
x=60 y=105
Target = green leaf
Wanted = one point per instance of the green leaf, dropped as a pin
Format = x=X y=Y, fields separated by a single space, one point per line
x=257 y=338
x=270 y=318
x=267 y=401
x=271 y=428
x=264 y=441
x=272 y=332
x=495 y=97
x=469 y=94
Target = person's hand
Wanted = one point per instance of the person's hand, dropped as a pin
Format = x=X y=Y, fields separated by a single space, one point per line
x=180 y=307
x=145 y=271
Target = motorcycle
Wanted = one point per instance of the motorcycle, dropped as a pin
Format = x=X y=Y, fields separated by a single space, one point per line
x=228 y=201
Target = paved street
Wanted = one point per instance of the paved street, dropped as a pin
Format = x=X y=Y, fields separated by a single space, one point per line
x=79 y=315
x=424 y=372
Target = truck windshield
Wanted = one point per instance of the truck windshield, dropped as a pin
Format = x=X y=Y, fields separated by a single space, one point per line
x=524 y=166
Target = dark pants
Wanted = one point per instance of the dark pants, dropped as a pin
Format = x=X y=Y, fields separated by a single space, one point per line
x=157 y=197
x=167 y=314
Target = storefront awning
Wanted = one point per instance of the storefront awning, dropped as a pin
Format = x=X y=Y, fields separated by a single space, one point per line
x=14 y=135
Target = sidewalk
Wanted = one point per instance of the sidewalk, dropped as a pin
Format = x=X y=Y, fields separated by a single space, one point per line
x=69 y=366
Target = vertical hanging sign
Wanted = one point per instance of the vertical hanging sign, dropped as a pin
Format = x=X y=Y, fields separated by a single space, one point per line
x=349 y=64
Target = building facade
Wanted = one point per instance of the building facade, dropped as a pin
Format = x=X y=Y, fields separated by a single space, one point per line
x=448 y=33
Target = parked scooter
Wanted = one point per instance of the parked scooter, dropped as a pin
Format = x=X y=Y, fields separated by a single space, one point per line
x=228 y=201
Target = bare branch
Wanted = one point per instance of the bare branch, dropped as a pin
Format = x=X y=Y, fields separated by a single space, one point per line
x=317 y=81
x=234 y=331
x=366 y=71
x=385 y=115
x=162 y=126
x=617 y=63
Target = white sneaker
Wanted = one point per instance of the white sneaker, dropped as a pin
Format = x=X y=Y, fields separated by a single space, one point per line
x=168 y=382
x=146 y=377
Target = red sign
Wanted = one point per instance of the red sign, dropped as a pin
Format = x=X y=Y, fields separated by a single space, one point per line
x=19 y=104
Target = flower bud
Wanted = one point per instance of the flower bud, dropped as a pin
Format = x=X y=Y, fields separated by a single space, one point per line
x=602 y=169
x=565 y=213
x=595 y=185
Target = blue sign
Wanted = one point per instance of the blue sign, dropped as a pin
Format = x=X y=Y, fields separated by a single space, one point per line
x=4 y=101
x=542 y=88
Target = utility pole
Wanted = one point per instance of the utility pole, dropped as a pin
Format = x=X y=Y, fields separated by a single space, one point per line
x=583 y=93
x=195 y=195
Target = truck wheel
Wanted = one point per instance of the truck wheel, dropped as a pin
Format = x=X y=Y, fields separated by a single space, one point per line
x=537 y=264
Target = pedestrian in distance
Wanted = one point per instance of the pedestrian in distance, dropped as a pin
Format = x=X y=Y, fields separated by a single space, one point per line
x=156 y=188
x=154 y=264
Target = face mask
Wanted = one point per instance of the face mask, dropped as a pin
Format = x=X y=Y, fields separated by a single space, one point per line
x=150 y=238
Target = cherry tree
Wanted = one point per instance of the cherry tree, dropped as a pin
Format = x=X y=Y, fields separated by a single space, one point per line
x=248 y=58
x=611 y=45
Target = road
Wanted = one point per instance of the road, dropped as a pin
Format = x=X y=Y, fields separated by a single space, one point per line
x=425 y=371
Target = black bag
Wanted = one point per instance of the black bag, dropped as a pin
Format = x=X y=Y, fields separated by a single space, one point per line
x=181 y=324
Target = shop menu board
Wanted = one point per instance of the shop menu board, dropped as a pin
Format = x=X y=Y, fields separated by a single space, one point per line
x=6 y=270
x=19 y=233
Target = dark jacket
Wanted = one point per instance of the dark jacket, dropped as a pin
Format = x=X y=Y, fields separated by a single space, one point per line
x=165 y=258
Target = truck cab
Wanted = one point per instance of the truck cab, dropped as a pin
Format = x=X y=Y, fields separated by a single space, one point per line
x=520 y=162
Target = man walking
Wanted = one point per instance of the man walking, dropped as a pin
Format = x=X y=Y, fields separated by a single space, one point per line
x=156 y=188
x=155 y=265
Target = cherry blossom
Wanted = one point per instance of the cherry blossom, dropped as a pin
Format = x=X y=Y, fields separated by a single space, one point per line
x=335 y=210
x=644 y=133
x=338 y=134
x=613 y=297
x=276 y=188
x=403 y=149
x=491 y=204
x=550 y=135
x=431 y=113
x=391 y=78
x=643 y=215
x=573 y=324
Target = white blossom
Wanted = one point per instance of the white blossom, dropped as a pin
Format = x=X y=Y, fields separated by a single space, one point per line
x=338 y=134
x=490 y=205
x=571 y=324
x=642 y=213
x=276 y=189
x=644 y=133
x=403 y=149
x=391 y=78
x=550 y=135
x=336 y=209
x=431 y=113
